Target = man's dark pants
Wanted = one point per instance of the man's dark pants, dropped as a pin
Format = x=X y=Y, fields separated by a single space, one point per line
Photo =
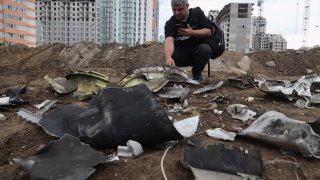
x=196 y=56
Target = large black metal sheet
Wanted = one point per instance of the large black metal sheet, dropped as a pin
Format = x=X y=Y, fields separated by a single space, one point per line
x=217 y=157
x=63 y=120
x=117 y=115
x=66 y=158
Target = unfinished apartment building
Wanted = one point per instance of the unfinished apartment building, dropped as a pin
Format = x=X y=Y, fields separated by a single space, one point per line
x=129 y=22
x=235 y=20
x=100 y=21
x=258 y=29
x=17 y=22
x=273 y=42
x=67 y=21
x=263 y=41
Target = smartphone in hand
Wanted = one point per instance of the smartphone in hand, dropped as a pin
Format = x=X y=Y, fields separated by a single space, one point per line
x=181 y=25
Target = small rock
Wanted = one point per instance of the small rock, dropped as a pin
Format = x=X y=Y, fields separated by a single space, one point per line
x=23 y=147
x=271 y=64
x=244 y=63
x=309 y=71
x=249 y=99
x=2 y=117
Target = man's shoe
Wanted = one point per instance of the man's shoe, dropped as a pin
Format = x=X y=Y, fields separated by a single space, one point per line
x=199 y=78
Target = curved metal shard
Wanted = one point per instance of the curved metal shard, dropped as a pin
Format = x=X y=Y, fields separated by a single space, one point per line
x=277 y=129
x=66 y=158
x=172 y=73
x=63 y=120
x=61 y=85
x=209 y=88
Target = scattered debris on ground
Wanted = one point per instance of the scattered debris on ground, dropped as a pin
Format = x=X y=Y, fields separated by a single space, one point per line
x=119 y=107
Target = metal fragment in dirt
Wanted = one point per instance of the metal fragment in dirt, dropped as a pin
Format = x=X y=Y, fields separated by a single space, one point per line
x=61 y=85
x=175 y=92
x=172 y=73
x=212 y=175
x=209 y=88
x=243 y=82
x=88 y=83
x=153 y=82
x=241 y=112
x=132 y=150
x=119 y=114
x=66 y=158
x=29 y=116
x=63 y=120
x=45 y=106
x=4 y=101
x=289 y=134
x=217 y=157
x=221 y=134
x=301 y=88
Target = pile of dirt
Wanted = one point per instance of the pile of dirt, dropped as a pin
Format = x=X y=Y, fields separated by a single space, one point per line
x=21 y=65
x=86 y=54
x=287 y=63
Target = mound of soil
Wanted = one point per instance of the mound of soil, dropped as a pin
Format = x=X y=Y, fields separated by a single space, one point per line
x=288 y=63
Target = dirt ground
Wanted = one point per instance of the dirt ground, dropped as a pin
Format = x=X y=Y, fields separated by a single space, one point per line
x=20 y=65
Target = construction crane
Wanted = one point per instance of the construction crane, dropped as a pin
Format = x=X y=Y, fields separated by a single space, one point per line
x=305 y=25
x=260 y=11
x=257 y=43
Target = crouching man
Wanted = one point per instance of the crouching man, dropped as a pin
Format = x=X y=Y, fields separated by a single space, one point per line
x=185 y=32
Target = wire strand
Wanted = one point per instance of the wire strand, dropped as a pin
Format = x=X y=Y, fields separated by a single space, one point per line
x=162 y=159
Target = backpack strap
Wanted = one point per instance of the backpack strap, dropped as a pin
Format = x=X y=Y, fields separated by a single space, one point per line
x=209 y=68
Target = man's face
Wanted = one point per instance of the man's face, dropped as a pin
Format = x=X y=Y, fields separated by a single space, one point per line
x=180 y=11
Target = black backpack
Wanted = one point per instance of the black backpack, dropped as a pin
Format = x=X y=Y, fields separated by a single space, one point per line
x=216 y=41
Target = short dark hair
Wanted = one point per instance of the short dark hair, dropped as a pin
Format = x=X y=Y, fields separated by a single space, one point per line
x=179 y=2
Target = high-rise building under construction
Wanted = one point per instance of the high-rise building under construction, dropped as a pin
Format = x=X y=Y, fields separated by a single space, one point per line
x=235 y=20
x=17 y=22
x=101 y=21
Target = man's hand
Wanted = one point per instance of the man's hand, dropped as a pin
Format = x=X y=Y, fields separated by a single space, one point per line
x=170 y=62
x=168 y=51
x=198 y=33
x=185 y=31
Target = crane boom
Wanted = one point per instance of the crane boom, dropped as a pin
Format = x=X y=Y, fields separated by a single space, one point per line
x=258 y=33
x=305 y=25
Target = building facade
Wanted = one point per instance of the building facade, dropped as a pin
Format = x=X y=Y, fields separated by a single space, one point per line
x=67 y=21
x=100 y=21
x=261 y=40
x=258 y=30
x=235 y=20
x=273 y=42
x=17 y=22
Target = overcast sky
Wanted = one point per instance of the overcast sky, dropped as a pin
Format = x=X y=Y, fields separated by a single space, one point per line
x=283 y=17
